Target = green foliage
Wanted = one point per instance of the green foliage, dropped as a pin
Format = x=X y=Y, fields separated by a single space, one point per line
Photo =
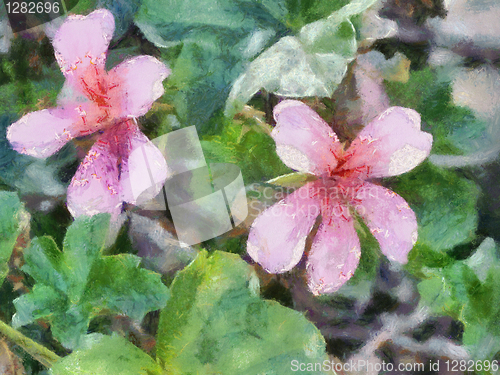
x=313 y=63
x=110 y=356
x=469 y=290
x=216 y=43
x=12 y=219
x=302 y=12
x=248 y=146
x=78 y=284
x=455 y=129
x=445 y=205
x=216 y=323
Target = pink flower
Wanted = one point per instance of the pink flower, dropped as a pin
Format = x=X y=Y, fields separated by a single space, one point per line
x=93 y=99
x=390 y=145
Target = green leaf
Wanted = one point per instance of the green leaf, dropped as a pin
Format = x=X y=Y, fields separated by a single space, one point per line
x=217 y=323
x=43 y=263
x=12 y=219
x=293 y=68
x=248 y=146
x=461 y=290
x=84 y=240
x=215 y=42
x=313 y=63
x=118 y=284
x=455 y=129
x=123 y=12
x=110 y=356
x=78 y=284
x=482 y=259
x=301 y=13
x=40 y=302
x=445 y=291
x=445 y=205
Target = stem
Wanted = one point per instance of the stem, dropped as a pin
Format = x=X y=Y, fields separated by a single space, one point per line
x=37 y=351
x=63 y=3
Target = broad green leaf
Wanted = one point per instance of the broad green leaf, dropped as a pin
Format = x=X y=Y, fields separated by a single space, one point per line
x=469 y=290
x=455 y=129
x=12 y=219
x=40 y=302
x=312 y=63
x=481 y=314
x=217 y=323
x=44 y=262
x=445 y=205
x=214 y=41
x=78 y=284
x=301 y=13
x=110 y=356
x=168 y=23
x=444 y=291
x=436 y=294
x=84 y=240
x=118 y=284
x=289 y=69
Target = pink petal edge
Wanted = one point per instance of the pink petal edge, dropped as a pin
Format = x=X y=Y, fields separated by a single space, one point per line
x=277 y=237
x=390 y=145
x=141 y=83
x=42 y=133
x=143 y=169
x=83 y=40
x=304 y=141
x=95 y=187
x=334 y=254
x=390 y=219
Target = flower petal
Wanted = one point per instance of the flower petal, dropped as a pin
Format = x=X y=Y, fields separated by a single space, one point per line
x=335 y=253
x=95 y=187
x=42 y=133
x=277 y=237
x=82 y=41
x=303 y=140
x=141 y=82
x=143 y=169
x=390 y=145
x=389 y=218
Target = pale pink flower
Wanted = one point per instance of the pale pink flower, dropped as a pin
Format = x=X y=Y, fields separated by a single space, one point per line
x=389 y=145
x=93 y=99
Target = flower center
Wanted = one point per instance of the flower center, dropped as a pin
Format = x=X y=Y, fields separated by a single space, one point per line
x=101 y=89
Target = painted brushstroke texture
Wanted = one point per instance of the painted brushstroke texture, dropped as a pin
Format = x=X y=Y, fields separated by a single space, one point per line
x=96 y=100
x=390 y=145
